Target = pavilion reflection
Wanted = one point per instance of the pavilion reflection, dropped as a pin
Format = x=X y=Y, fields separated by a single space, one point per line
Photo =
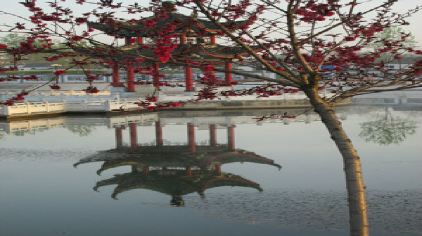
x=174 y=170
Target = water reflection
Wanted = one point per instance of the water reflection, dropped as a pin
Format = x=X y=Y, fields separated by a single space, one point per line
x=175 y=170
x=387 y=129
x=80 y=129
x=187 y=166
x=178 y=170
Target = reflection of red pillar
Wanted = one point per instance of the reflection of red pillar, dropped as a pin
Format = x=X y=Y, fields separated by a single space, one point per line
x=217 y=169
x=146 y=170
x=133 y=135
x=188 y=171
x=158 y=133
x=115 y=75
x=213 y=135
x=191 y=137
x=130 y=78
x=156 y=75
x=228 y=73
x=140 y=40
x=212 y=40
x=230 y=138
x=119 y=137
x=188 y=78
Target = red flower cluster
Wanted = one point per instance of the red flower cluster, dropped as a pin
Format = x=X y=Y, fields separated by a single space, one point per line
x=313 y=11
x=152 y=98
x=91 y=89
x=149 y=23
x=59 y=72
x=55 y=86
x=209 y=77
x=238 y=10
x=164 y=45
x=261 y=91
x=20 y=97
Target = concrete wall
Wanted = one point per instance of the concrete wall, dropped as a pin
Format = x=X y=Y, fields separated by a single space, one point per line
x=249 y=104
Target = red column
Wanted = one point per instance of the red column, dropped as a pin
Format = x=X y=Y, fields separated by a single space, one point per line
x=115 y=75
x=188 y=78
x=158 y=134
x=230 y=138
x=191 y=138
x=140 y=40
x=217 y=169
x=119 y=137
x=130 y=78
x=146 y=170
x=213 y=135
x=212 y=39
x=133 y=135
x=188 y=171
x=156 y=75
x=183 y=38
x=228 y=73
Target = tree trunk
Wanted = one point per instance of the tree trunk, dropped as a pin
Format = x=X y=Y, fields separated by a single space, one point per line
x=358 y=215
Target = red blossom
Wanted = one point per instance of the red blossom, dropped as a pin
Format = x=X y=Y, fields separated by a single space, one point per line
x=59 y=72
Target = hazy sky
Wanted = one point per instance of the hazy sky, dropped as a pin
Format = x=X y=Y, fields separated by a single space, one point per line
x=13 y=6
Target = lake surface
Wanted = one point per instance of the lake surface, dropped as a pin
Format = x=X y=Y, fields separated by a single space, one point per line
x=207 y=173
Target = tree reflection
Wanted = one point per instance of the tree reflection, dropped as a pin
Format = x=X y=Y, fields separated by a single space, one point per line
x=80 y=129
x=387 y=129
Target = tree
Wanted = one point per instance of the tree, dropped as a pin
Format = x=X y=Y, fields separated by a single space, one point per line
x=15 y=41
x=311 y=36
x=336 y=34
x=12 y=39
x=393 y=34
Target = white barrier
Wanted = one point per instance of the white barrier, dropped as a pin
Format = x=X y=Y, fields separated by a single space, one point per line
x=37 y=108
x=144 y=119
x=62 y=93
x=121 y=105
x=86 y=106
x=399 y=100
x=27 y=125
x=32 y=108
x=73 y=93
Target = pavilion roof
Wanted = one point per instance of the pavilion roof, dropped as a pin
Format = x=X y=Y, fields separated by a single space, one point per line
x=173 y=156
x=190 y=25
x=175 y=184
x=183 y=52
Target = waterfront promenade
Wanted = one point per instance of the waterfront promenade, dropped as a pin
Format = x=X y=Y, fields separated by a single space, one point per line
x=71 y=99
x=111 y=101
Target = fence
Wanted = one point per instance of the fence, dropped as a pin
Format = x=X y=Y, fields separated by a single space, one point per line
x=398 y=100
x=21 y=109
x=37 y=108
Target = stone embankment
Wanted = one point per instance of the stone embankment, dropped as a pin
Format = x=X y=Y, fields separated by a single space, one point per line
x=112 y=104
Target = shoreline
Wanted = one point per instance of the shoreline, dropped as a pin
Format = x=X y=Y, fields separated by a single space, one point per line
x=190 y=106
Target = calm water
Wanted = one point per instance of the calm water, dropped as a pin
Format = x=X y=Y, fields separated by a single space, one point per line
x=207 y=173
